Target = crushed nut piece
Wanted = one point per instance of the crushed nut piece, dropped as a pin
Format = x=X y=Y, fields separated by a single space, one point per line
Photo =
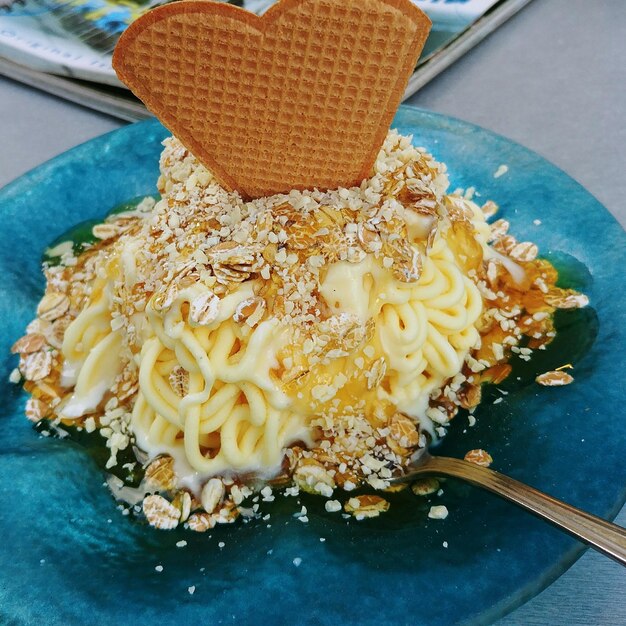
x=200 y=522
x=204 y=309
x=554 y=379
x=160 y=475
x=36 y=366
x=312 y=477
x=36 y=409
x=425 y=486
x=524 y=251
x=34 y=342
x=179 y=381
x=160 y=513
x=366 y=506
x=567 y=299
x=404 y=431
x=479 y=457
x=212 y=494
x=250 y=311
x=52 y=306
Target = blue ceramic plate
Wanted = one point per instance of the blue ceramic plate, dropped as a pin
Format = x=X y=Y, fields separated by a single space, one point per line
x=70 y=556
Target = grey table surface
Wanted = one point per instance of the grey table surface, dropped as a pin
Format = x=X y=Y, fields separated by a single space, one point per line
x=554 y=79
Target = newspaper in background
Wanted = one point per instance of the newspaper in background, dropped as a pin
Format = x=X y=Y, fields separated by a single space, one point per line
x=64 y=46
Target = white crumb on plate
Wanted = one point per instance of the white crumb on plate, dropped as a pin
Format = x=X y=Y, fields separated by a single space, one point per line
x=191 y=590
x=221 y=544
x=469 y=193
x=501 y=171
x=15 y=376
x=537 y=222
x=445 y=544
x=90 y=424
x=332 y=506
x=297 y=561
x=438 y=512
x=65 y=247
x=159 y=568
x=181 y=544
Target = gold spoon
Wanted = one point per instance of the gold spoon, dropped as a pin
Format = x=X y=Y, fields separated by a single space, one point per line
x=604 y=536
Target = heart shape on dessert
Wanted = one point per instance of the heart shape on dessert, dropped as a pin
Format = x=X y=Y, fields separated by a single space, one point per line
x=299 y=98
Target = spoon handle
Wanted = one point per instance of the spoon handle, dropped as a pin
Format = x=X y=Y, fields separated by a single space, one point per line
x=604 y=536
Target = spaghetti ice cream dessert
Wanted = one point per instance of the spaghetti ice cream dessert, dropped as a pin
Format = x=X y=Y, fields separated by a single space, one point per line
x=309 y=338
x=315 y=335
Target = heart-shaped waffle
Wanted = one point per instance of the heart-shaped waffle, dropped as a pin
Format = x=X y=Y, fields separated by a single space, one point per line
x=299 y=98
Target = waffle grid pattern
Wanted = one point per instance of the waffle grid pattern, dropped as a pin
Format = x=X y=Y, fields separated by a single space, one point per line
x=303 y=100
